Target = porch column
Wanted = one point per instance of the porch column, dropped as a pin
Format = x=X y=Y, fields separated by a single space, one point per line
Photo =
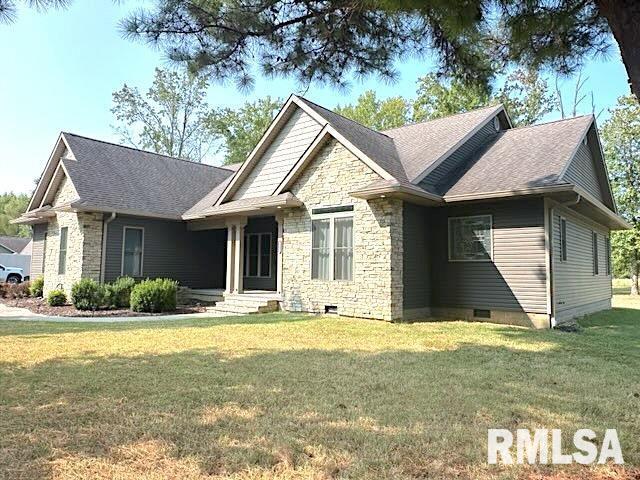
x=229 y=287
x=238 y=268
x=279 y=245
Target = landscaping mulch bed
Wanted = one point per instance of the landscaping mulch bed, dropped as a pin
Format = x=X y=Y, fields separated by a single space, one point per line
x=39 y=305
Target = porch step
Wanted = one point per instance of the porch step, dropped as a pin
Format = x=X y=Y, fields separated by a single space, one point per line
x=246 y=304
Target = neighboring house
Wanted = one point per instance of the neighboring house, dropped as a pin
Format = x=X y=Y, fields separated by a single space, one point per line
x=462 y=217
x=19 y=245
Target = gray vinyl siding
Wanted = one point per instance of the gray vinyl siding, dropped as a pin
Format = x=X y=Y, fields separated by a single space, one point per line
x=582 y=172
x=195 y=259
x=38 y=248
x=281 y=155
x=516 y=277
x=263 y=225
x=416 y=268
x=442 y=172
x=576 y=290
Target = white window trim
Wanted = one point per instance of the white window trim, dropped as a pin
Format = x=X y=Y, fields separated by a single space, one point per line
x=66 y=249
x=246 y=254
x=563 y=238
x=124 y=235
x=331 y=217
x=479 y=260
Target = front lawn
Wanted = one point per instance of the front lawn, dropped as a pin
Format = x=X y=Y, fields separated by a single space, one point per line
x=294 y=396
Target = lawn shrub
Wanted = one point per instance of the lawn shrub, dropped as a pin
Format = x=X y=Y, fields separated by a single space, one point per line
x=56 y=298
x=37 y=287
x=158 y=295
x=87 y=294
x=17 y=290
x=118 y=293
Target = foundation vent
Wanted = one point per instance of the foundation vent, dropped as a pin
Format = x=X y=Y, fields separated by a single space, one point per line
x=332 y=309
x=480 y=313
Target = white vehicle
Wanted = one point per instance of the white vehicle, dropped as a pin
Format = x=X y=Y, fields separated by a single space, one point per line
x=11 y=274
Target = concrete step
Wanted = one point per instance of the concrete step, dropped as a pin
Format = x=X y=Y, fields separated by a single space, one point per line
x=249 y=302
x=221 y=307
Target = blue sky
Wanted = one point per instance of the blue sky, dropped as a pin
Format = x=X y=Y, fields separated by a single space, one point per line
x=60 y=68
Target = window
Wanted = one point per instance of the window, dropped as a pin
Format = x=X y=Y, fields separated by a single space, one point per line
x=332 y=246
x=44 y=251
x=563 y=239
x=132 y=251
x=470 y=239
x=62 y=258
x=607 y=252
x=594 y=243
x=496 y=123
x=257 y=260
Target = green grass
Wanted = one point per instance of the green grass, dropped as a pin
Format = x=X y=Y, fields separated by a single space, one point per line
x=294 y=396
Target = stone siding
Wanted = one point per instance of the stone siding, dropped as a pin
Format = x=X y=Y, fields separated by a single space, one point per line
x=376 y=288
x=84 y=243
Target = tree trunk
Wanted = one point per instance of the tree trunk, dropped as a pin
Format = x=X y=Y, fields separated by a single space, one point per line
x=624 y=18
x=635 y=282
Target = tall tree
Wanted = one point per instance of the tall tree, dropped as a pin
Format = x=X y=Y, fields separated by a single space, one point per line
x=526 y=97
x=171 y=118
x=8 y=8
x=375 y=113
x=621 y=137
x=241 y=129
x=438 y=98
x=11 y=207
x=329 y=40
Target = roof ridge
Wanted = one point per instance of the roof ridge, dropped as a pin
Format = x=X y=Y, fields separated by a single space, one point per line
x=342 y=116
x=146 y=151
x=523 y=127
x=442 y=118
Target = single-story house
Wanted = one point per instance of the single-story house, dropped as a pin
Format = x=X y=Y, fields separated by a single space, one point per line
x=463 y=217
x=15 y=245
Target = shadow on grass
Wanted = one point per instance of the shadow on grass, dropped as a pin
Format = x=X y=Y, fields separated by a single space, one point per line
x=43 y=328
x=311 y=412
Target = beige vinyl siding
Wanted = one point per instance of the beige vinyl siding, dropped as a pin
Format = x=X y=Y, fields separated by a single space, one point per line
x=582 y=172
x=38 y=248
x=577 y=291
x=280 y=156
x=515 y=279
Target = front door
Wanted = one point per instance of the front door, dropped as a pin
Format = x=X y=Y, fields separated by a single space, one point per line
x=260 y=254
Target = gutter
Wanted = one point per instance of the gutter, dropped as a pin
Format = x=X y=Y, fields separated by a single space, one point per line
x=103 y=256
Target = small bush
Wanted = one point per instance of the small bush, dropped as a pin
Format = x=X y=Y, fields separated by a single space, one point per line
x=87 y=294
x=157 y=295
x=118 y=293
x=56 y=298
x=36 y=287
x=17 y=290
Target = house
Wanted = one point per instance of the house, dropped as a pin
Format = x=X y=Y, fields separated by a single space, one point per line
x=462 y=217
x=15 y=245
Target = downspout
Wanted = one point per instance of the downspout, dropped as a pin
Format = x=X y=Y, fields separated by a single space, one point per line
x=103 y=256
x=570 y=203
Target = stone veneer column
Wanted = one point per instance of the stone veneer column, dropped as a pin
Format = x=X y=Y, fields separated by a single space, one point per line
x=279 y=246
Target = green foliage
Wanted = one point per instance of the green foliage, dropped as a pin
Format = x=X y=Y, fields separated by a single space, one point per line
x=87 y=294
x=438 y=98
x=526 y=97
x=13 y=205
x=241 y=128
x=36 y=287
x=118 y=293
x=56 y=298
x=621 y=139
x=171 y=118
x=375 y=113
x=158 y=295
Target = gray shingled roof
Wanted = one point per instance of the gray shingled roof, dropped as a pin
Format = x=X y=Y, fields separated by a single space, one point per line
x=15 y=244
x=519 y=158
x=421 y=144
x=114 y=177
